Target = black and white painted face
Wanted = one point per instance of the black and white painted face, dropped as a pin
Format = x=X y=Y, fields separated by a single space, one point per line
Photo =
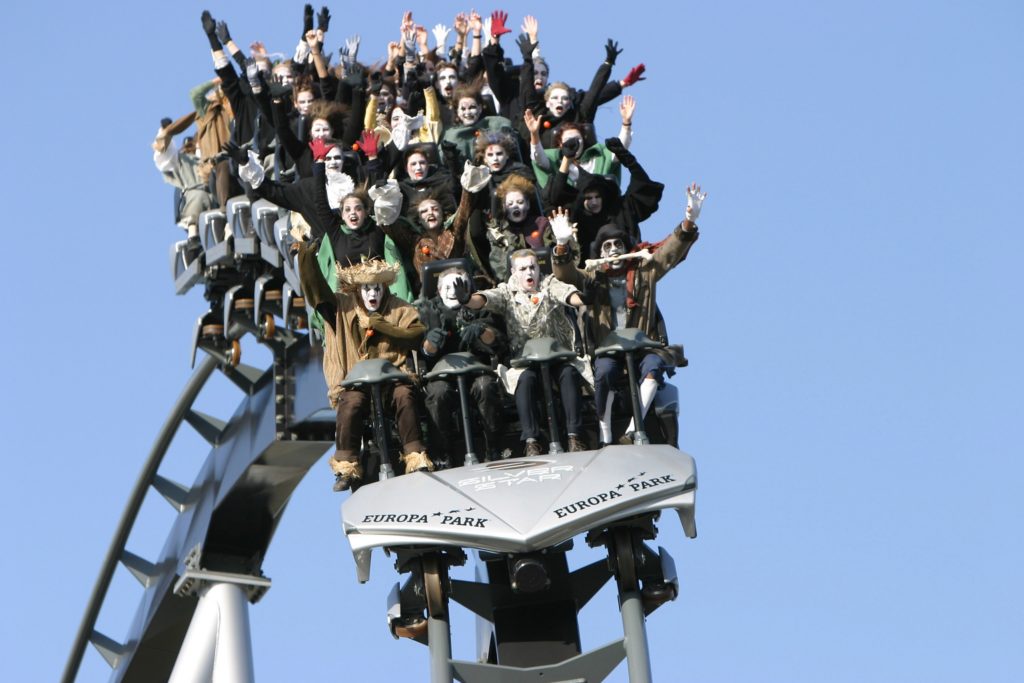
x=558 y=102
x=333 y=161
x=525 y=273
x=593 y=202
x=447 y=79
x=416 y=166
x=540 y=76
x=468 y=111
x=282 y=75
x=353 y=213
x=516 y=207
x=495 y=157
x=320 y=130
x=304 y=102
x=372 y=296
x=446 y=289
x=613 y=248
x=385 y=99
x=430 y=213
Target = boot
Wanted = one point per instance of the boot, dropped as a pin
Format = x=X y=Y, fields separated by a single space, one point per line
x=417 y=461
x=576 y=444
x=345 y=473
x=532 y=448
x=193 y=248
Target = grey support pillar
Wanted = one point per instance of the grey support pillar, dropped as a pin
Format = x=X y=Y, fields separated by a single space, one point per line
x=638 y=655
x=218 y=645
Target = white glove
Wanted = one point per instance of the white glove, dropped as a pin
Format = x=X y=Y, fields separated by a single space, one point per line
x=486 y=33
x=562 y=228
x=252 y=172
x=475 y=178
x=387 y=201
x=352 y=44
x=339 y=186
x=694 y=201
x=301 y=52
x=405 y=129
x=441 y=36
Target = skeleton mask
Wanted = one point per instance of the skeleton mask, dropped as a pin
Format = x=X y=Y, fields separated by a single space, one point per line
x=372 y=296
x=446 y=289
x=526 y=273
x=613 y=248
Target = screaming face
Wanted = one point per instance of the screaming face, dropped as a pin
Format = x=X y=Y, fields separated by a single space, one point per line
x=372 y=295
x=430 y=213
x=525 y=273
x=353 y=212
x=446 y=289
x=516 y=207
x=495 y=157
x=447 y=79
x=540 y=76
x=558 y=102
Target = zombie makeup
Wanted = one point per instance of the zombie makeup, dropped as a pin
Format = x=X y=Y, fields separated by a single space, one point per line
x=558 y=102
x=517 y=207
x=320 y=130
x=353 y=213
x=416 y=166
x=446 y=289
x=593 y=202
x=613 y=248
x=430 y=214
x=447 y=79
x=372 y=296
x=495 y=157
x=468 y=111
x=526 y=273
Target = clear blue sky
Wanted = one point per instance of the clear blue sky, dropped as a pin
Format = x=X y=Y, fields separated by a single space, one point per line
x=852 y=315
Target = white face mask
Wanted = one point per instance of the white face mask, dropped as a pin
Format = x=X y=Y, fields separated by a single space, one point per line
x=516 y=207
x=613 y=248
x=468 y=111
x=495 y=157
x=558 y=102
x=333 y=161
x=372 y=296
x=416 y=167
x=353 y=213
x=446 y=289
x=525 y=273
x=430 y=214
x=320 y=130
x=446 y=81
x=304 y=102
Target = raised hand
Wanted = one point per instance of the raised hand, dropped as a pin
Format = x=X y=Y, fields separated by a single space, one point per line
x=369 y=142
x=252 y=73
x=615 y=146
x=209 y=25
x=626 y=108
x=320 y=149
x=694 y=201
x=525 y=46
x=460 y=290
x=257 y=49
x=236 y=153
x=352 y=45
x=532 y=122
x=498 y=28
x=441 y=32
x=475 y=24
x=461 y=24
x=323 y=20
x=421 y=39
x=611 y=51
x=475 y=178
x=375 y=82
x=530 y=27
x=635 y=74
x=222 y=32
x=307 y=19
x=560 y=225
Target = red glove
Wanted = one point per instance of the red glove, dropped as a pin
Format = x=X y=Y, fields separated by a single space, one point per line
x=319 y=149
x=369 y=142
x=635 y=74
x=498 y=19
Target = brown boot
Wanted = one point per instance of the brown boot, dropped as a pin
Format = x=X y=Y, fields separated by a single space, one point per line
x=532 y=448
x=576 y=444
x=417 y=461
x=345 y=473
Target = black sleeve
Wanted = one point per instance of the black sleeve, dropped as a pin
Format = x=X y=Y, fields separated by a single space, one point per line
x=321 y=205
x=588 y=107
x=494 y=65
x=285 y=137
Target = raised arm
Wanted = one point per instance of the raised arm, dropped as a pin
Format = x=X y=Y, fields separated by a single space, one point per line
x=677 y=246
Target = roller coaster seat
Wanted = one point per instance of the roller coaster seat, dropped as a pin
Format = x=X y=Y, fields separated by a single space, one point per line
x=374 y=371
x=542 y=350
x=454 y=364
x=626 y=340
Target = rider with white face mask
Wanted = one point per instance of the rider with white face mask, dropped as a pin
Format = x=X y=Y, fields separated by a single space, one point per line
x=469 y=122
x=534 y=306
x=624 y=293
x=452 y=328
x=364 y=321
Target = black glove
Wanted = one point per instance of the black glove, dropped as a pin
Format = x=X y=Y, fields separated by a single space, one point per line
x=354 y=75
x=471 y=333
x=571 y=147
x=460 y=288
x=437 y=337
x=210 y=29
x=222 y=32
x=614 y=146
x=238 y=154
x=307 y=20
x=323 y=20
x=525 y=46
x=376 y=82
x=165 y=121
x=611 y=51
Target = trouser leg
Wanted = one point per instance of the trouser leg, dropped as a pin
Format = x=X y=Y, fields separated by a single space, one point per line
x=528 y=394
x=353 y=408
x=441 y=399
x=403 y=398
x=486 y=394
x=606 y=370
x=569 y=388
x=652 y=371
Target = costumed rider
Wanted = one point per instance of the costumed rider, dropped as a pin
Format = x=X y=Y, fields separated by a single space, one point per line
x=623 y=286
x=536 y=308
x=453 y=327
x=364 y=321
